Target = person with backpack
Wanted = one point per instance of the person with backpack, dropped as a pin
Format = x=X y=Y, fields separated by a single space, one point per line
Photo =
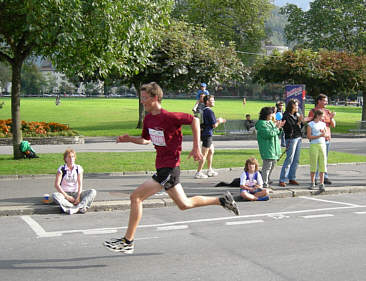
x=251 y=183
x=70 y=195
x=209 y=124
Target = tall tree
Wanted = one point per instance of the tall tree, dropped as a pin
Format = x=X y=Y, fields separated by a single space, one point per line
x=81 y=37
x=330 y=24
x=240 y=21
x=186 y=57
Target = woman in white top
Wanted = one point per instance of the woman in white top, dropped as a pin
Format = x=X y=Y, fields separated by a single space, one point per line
x=316 y=133
x=69 y=185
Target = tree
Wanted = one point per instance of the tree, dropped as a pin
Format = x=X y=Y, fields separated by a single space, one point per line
x=330 y=24
x=240 y=21
x=187 y=57
x=328 y=72
x=32 y=81
x=81 y=37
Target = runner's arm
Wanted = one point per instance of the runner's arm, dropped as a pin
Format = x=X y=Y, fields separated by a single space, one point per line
x=196 y=150
x=136 y=140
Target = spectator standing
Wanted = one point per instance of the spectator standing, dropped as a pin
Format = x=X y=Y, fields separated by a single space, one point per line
x=209 y=124
x=268 y=142
x=69 y=185
x=293 y=140
x=316 y=133
x=328 y=118
x=201 y=91
x=279 y=115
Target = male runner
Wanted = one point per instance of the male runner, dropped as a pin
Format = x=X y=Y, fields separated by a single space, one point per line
x=163 y=129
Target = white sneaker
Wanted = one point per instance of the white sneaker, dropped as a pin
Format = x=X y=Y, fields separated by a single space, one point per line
x=73 y=210
x=200 y=175
x=212 y=173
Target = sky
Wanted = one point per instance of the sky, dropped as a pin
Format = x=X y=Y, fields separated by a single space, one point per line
x=303 y=4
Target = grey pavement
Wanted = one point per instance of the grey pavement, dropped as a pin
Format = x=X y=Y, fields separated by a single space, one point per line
x=23 y=194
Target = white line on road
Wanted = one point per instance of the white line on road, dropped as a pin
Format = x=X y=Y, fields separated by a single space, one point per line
x=40 y=232
x=360 y=213
x=173 y=227
x=38 y=229
x=243 y=222
x=330 y=201
x=318 y=216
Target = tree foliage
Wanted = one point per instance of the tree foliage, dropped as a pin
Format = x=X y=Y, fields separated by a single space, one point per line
x=240 y=21
x=330 y=24
x=186 y=57
x=328 y=72
x=81 y=37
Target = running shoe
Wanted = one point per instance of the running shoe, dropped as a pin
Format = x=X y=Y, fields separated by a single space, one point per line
x=312 y=186
x=119 y=245
x=230 y=204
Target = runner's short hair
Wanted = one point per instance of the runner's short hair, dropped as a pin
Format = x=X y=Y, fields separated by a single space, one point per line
x=153 y=89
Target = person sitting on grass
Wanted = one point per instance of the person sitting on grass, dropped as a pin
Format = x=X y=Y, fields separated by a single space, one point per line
x=251 y=182
x=69 y=185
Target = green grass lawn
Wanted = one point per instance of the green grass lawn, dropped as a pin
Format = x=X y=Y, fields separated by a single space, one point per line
x=112 y=117
x=99 y=162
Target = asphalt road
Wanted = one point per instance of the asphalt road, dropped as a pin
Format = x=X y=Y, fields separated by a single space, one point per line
x=305 y=238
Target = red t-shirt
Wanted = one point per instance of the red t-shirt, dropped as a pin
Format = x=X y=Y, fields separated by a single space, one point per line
x=164 y=131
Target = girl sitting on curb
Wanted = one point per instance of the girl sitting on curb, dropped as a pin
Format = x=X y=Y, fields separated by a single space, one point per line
x=251 y=182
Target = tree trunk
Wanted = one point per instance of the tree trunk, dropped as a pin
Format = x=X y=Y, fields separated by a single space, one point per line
x=15 y=109
x=141 y=111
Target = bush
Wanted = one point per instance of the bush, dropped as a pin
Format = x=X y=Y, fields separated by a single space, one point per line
x=37 y=129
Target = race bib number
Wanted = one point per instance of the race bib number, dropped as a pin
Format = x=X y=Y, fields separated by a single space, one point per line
x=157 y=137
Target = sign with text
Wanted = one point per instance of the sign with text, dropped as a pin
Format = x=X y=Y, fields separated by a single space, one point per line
x=296 y=92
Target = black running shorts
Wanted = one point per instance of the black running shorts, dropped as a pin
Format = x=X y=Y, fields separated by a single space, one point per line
x=206 y=141
x=167 y=177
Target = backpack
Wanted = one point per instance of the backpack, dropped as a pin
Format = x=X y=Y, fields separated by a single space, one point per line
x=236 y=181
x=63 y=171
x=27 y=150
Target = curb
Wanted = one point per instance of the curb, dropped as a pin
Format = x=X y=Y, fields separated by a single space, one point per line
x=100 y=206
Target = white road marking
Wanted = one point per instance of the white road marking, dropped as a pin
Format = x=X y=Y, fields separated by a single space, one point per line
x=360 y=213
x=318 y=216
x=173 y=227
x=243 y=222
x=37 y=228
x=41 y=233
x=330 y=201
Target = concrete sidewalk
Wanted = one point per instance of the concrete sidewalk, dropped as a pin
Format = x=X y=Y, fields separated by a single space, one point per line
x=23 y=195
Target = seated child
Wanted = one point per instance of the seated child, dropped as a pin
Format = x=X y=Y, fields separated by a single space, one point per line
x=70 y=195
x=251 y=183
